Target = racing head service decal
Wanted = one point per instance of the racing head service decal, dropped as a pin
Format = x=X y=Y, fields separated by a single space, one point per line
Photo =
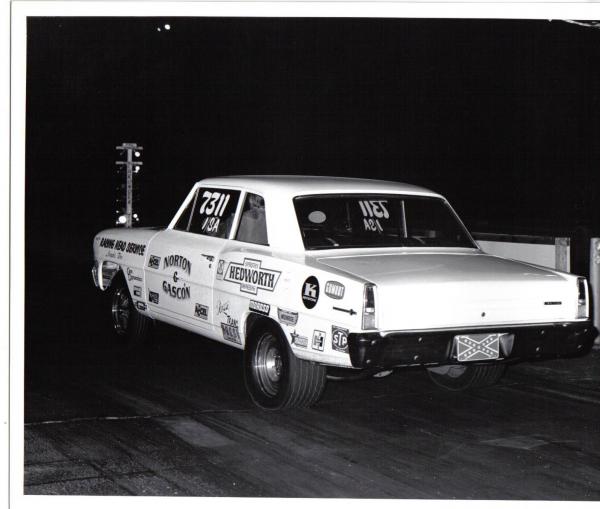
x=179 y=289
x=252 y=276
x=310 y=292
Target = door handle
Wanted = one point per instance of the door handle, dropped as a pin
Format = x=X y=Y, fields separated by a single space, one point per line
x=210 y=258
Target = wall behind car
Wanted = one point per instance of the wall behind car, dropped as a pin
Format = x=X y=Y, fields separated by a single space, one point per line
x=503 y=117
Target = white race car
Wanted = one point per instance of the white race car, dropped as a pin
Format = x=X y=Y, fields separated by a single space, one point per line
x=306 y=273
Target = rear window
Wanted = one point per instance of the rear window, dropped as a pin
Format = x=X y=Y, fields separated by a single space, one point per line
x=366 y=220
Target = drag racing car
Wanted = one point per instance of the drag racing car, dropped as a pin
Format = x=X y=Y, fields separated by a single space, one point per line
x=310 y=274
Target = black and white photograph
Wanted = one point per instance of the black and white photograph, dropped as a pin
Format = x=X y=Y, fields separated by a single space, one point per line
x=299 y=251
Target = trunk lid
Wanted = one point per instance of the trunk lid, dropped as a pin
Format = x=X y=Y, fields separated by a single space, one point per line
x=424 y=290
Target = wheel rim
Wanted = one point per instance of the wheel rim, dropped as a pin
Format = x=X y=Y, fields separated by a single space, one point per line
x=120 y=311
x=267 y=365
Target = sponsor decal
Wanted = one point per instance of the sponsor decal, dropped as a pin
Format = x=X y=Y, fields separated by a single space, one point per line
x=344 y=310
x=154 y=262
x=252 y=276
x=177 y=261
x=121 y=245
x=298 y=340
x=339 y=339
x=201 y=311
x=181 y=291
x=177 y=292
x=140 y=305
x=131 y=276
x=137 y=291
x=231 y=333
x=153 y=297
x=220 y=269
x=260 y=307
x=318 y=342
x=335 y=290
x=223 y=308
x=287 y=317
x=310 y=292
x=552 y=303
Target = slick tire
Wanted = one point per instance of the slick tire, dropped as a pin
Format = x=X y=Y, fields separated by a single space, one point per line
x=275 y=378
x=461 y=377
x=130 y=328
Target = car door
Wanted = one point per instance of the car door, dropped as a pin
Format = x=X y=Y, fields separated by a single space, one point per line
x=182 y=260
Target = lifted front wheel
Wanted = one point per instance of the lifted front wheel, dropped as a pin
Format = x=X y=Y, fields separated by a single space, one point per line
x=130 y=328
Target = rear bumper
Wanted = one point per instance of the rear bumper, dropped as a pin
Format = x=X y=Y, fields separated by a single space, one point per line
x=435 y=347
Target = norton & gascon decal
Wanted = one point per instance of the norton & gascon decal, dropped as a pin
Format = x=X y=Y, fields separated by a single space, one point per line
x=181 y=291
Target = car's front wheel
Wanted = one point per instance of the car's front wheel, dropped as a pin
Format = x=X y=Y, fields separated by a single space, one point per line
x=275 y=377
x=459 y=377
x=130 y=328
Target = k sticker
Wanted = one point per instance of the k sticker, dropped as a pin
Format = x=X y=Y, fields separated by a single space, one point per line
x=310 y=292
x=339 y=339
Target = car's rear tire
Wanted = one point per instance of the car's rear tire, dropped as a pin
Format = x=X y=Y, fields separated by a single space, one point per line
x=460 y=377
x=275 y=378
x=130 y=328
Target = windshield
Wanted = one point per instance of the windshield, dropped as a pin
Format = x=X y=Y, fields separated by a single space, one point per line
x=368 y=220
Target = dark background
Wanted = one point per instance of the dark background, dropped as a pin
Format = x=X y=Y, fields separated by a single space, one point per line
x=502 y=117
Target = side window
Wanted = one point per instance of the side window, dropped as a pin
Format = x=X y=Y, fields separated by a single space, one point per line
x=253 y=224
x=211 y=212
x=183 y=223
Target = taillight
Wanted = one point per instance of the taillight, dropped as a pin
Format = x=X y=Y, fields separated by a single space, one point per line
x=582 y=298
x=368 y=318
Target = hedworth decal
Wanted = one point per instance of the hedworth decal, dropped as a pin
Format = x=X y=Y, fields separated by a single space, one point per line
x=252 y=276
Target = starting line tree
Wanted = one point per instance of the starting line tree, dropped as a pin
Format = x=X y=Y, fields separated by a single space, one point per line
x=126 y=197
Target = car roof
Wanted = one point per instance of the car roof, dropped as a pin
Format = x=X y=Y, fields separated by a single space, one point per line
x=296 y=185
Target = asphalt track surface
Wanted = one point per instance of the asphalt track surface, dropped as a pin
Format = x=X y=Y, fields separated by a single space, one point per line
x=174 y=419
